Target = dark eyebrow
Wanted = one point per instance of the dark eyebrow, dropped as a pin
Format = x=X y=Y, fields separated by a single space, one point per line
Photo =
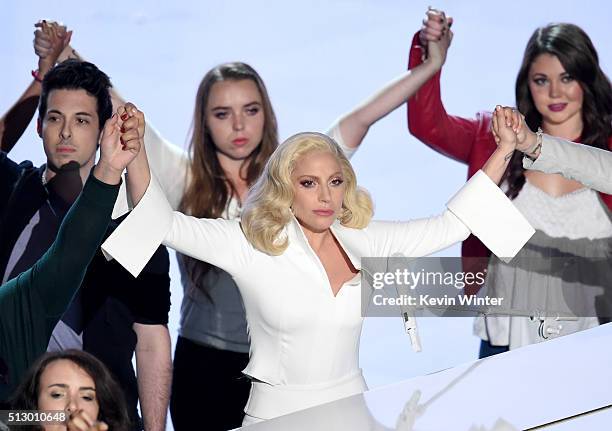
x=229 y=107
x=65 y=386
x=55 y=111
x=540 y=74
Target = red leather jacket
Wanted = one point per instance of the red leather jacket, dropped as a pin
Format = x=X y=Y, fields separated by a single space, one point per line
x=467 y=140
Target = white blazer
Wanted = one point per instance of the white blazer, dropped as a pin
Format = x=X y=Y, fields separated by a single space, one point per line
x=305 y=340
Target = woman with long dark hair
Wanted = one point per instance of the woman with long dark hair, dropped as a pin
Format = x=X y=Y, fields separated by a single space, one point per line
x=561 y=89
x=75 y=382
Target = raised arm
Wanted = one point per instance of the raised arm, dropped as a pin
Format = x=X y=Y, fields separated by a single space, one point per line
x=153 y=222
x=498 y=162
x=83 y=228
x=587 y=165
x=48 y=287
x=480 y=208
x=354 y=125
x=428 y=120
x=32 y=303
x=77 y=241
x=170 y=163
x=49 y=41
x=65 y=263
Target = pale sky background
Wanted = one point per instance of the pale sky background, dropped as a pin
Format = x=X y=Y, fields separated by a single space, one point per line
x=318 y=59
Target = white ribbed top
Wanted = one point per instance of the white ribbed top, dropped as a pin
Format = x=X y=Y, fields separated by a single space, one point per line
x=579 y=214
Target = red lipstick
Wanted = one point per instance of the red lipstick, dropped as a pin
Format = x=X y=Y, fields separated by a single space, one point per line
x=557 y=107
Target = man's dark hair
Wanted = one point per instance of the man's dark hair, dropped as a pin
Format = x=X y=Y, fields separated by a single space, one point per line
x=78 y=75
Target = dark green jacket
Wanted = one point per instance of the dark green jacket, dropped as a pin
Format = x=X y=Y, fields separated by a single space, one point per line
x=32 y=303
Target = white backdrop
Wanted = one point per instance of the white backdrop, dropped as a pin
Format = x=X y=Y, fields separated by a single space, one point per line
x=318 y=59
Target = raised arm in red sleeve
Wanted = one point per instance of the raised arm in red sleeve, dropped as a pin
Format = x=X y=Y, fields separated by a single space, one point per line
x=466 y=140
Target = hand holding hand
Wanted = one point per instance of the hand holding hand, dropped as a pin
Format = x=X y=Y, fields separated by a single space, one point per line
x=436 y=35
x=504 y=119
x=120 y=143
x=133 y=122
x=50 y=39
x=138 y=169
x=122 y=137
x=525 y=138
x=503 y=127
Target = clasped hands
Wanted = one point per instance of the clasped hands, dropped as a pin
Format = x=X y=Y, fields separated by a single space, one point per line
x=50 y=40
x=510 y=130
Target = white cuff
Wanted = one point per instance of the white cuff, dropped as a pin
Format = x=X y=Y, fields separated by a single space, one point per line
x=491 y=216
x=137 y=238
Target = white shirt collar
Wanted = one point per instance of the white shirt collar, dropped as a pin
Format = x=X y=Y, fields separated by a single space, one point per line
x=294 y=232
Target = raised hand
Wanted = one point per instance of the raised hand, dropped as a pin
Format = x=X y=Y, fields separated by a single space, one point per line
x=505 y=138
x=138 y=169
x=502 y=127
x=50 y=39
x=525 y=138
x=122 y=137
x=120 y=142
x=133 y=122
x=436 y=35
x=81 y=421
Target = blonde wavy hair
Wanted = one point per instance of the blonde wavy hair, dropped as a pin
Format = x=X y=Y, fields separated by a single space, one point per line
x=266 y=209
